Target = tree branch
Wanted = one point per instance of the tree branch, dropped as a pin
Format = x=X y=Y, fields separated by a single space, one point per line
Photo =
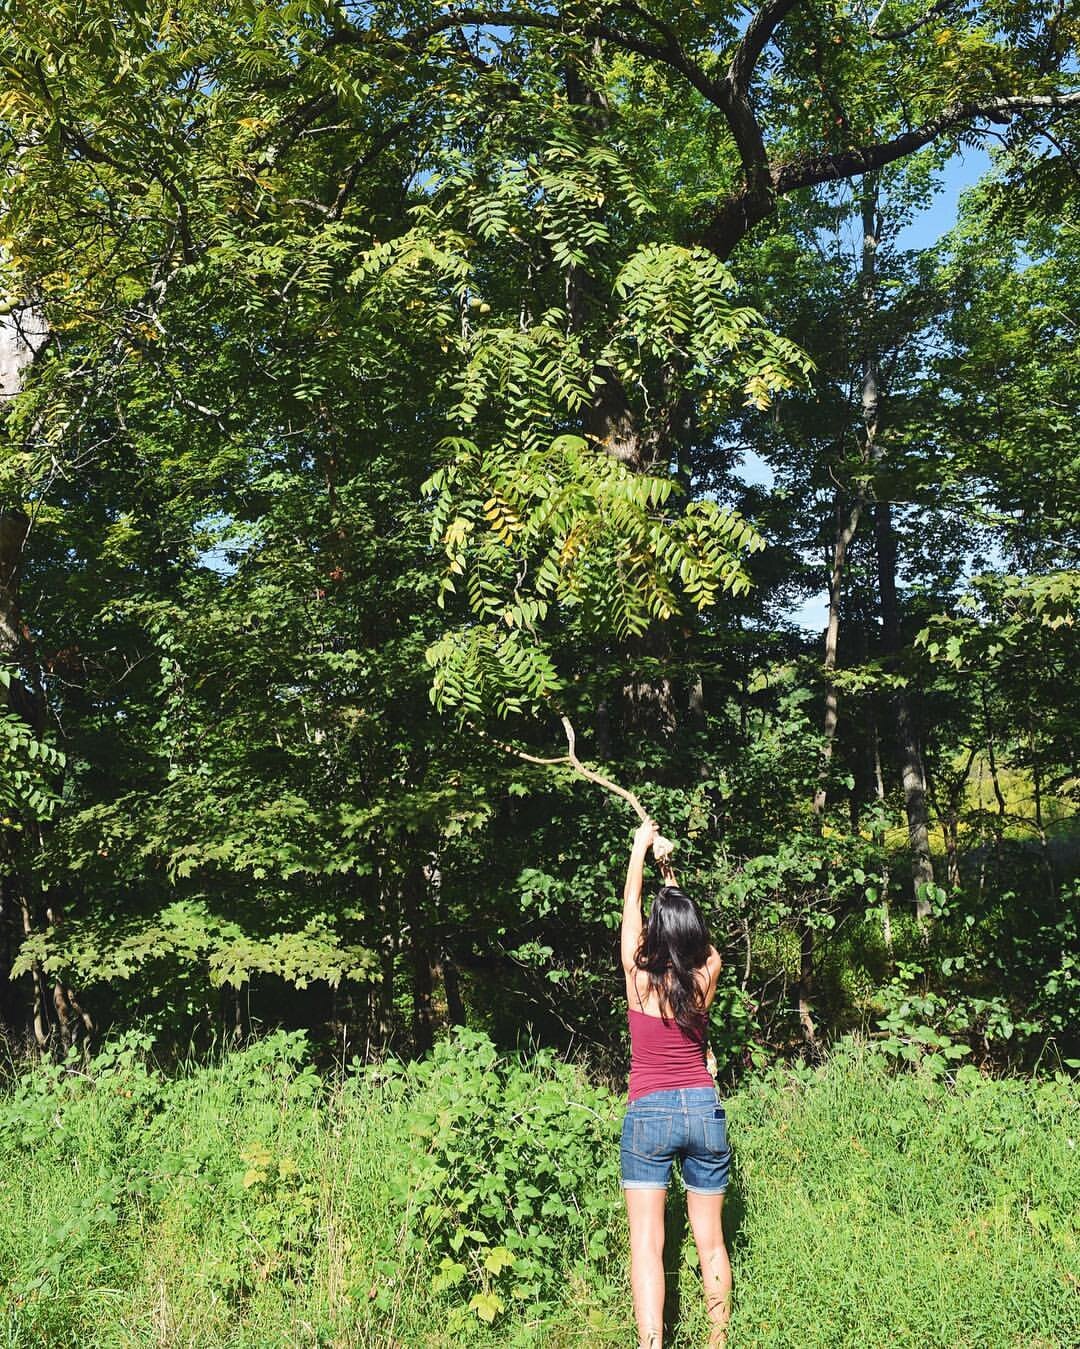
x=570 y=758
x=669 y=54
x=738 y=214
x=827 y=168
x=415 y=38
x=758 y=33
x=934 y=12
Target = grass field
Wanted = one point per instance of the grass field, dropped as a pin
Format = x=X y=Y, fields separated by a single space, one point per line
x=251 y=1202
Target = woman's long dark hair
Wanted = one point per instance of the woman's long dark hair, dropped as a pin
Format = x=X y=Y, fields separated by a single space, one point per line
x=673 y=945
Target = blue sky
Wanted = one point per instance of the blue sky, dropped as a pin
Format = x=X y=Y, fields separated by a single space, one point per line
x=963 y=170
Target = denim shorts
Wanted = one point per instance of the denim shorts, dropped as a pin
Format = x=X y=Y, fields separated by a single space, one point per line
x=686 y=1122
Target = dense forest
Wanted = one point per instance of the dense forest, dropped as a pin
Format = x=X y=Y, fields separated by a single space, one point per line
x=389 y=387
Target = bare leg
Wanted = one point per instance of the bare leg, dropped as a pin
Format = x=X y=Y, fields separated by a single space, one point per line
x=705 y=1212
x=645 y=1210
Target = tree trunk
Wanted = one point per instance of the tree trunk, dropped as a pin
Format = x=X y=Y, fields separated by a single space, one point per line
x=14 y=527
x=609 y=420
x=805 y=990
x=998 y=794
x=845 y=532
x=695 y=704
x=414 y=893
x=912 y=772
x=911 y=765
x=384 y=997
x=952 y=850
x=73 y=1022
x=945 y=790
x=22 y=335
x=845 y=527
x=879 y=793
x=649 y=707
x=380 y=1027
x=455 y=1007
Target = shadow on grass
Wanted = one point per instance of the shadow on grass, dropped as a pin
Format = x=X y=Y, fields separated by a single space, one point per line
x=677 y=1233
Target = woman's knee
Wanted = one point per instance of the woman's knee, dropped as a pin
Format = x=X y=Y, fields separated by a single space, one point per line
x=647 y=1241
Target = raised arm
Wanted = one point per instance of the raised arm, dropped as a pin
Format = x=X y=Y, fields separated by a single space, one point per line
x=631 y=918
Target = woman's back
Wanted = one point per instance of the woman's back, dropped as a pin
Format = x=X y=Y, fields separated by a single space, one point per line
x=664 y=1056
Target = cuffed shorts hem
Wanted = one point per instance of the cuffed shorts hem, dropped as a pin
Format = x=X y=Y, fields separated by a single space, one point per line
x=696 y=1189
x=642 y=1185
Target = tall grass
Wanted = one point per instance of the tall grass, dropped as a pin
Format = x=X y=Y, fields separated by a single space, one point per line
x=248 y=1202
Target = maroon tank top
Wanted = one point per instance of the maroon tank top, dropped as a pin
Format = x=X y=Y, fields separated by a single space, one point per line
x=663 y=1056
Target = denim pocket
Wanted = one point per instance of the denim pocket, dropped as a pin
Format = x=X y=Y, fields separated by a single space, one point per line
x=651 y=1135
x=715 y=1127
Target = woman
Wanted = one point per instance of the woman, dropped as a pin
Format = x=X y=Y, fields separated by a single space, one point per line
x=673 y=1111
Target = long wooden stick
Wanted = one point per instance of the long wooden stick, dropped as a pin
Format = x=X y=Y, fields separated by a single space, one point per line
x=572 y=758
x=662 y=847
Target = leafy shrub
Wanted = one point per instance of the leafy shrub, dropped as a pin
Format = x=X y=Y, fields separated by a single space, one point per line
x=512 y=1174
x=154 y=1151
x=1039 y=956
x=921 y=1026
x=246 y=1176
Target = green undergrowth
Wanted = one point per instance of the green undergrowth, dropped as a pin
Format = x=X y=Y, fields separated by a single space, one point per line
x=473 y=1199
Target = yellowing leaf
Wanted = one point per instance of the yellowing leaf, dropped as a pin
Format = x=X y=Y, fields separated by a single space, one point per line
x=498 y=1259
x=486 y=1305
